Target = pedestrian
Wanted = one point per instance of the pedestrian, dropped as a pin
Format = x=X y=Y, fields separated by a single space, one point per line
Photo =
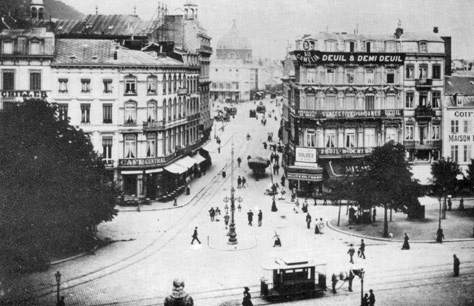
x=456 y=265
x=250 y=217
x=260 y=216
x=361 y=251
x=365 y=300
x=277 y=241
x=277 y=166
x=239 y=208
x=175 y=202
x=316 y=227
x=61 y=302
x=218 y=211
x=461 y=204
x=283 y=178
x=249 y=157
x=406 y=245
x=247 y=300
x=351 y=252
x=374 y=214
x=450 y=203
x=239 y=160
x=321 y=225
x=239 y=181
x=371 y=298
x=264 y=145
x=212 y=213
x=334 y=282
x=244 y=182
x=439 y=235
x=308 y=220
x=226 y=208
x=219 y=149
x=195 y=236
x=297 y=204
x=350 y=278
x=226 y=220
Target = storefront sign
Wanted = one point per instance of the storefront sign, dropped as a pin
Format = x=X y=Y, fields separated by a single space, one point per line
x=342 y=151
x=318 y=57
x=305 y=155
x=460 y=138
x=305 y=177
x=350 y=113
x=464 y=114
x=137 y=162
x=23 y=93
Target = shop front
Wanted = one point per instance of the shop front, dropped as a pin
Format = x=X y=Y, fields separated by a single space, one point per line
x=306 y=180
x=174 y=181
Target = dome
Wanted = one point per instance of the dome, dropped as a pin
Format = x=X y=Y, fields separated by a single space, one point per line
x=232 y=40
x=37 y=2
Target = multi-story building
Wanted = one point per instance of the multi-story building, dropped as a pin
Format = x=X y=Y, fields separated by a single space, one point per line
x=458 y=114
x=25 y=56
x=351 y=93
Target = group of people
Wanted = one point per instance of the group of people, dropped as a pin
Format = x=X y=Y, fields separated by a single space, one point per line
x=241 y=182
x=214 y=212
x=250 y=217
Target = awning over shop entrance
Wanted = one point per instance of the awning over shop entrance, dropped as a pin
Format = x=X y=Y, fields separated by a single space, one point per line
x=186 y=162
x=302 y=173
x=154 y=170
x=175 y=168
x=198 y=158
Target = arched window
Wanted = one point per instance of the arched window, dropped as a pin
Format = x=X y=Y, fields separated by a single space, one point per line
x=151 y=111
x=175 y=108
x=164 y=84
x=130 y=112
x=170 y=108
x=151 y=85
x=130 y=150
x=164 y=110
x=174 y=83
x=170 y=84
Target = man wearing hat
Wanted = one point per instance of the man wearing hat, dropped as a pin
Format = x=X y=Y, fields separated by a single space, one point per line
x=247 y=301
x=178 y=296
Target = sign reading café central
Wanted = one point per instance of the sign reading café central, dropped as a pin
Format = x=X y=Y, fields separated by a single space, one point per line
x=318 y=57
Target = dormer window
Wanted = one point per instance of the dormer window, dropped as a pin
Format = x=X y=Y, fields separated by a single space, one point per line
x=368 y=46
x=330 y=45
x=7 y=47
x=390 y=46
x=130 y=86
x=423 y=46
x=35 y=47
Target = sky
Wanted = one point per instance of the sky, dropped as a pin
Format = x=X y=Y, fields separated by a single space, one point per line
x=271 y=24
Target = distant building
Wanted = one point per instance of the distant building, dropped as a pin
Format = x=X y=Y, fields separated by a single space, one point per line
x=458 y=114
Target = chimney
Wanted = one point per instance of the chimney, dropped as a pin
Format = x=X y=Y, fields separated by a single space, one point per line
x=398 y=32
x=435 y=30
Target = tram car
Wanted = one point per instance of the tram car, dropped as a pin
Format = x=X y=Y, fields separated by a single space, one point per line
x=293 y=278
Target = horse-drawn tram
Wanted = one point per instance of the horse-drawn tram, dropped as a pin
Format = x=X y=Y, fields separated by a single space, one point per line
x=292 y=278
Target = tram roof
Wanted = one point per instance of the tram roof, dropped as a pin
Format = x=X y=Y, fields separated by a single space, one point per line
x=291 y=263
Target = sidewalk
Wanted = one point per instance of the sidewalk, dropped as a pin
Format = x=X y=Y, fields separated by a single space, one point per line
x=458 y=225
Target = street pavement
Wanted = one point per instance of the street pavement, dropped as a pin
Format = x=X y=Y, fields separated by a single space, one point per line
x=152 y=247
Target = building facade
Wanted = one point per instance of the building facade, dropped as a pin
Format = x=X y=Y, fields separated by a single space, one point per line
x=458 y=114
x=351 y=93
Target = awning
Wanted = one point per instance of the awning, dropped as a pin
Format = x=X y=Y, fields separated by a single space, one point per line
x=131 y=172
x=304 y=173
x=176 y=169
x=154 y=170
x=186 y=162
x=340 y=167
x=198 y=158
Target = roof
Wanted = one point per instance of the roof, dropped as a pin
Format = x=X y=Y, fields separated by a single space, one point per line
x=101 y=52
x=233 y=41
x=32 y=32
x=192 y=31
x=462 y=85
x=407 y=36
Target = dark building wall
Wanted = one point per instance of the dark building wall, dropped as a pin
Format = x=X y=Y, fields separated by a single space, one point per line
x=447 y=50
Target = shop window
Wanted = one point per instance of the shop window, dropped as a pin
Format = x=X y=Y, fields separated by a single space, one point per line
x=8 y=80
x=107 y=113
x=410 y=71
x=35 y=80
x=311 y=76
x=85 y=86
x=63 y=85
x=130 y=146
x=130 y=113
x=391 y=135
x=62 y=111
x=409 y=99
x=85 y=113
x=107 y=86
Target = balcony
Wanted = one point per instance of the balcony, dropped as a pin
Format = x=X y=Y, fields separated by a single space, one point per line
x=153 y=126
x=415 y=144
x=182 y=91
x=423 y=84
x=424 y=112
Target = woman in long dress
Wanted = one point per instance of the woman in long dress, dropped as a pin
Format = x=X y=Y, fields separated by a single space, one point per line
x=406 y=245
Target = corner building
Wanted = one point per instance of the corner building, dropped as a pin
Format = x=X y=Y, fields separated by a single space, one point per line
x=351 y=93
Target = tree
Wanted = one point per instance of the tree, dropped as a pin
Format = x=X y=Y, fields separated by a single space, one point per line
x=385 y=180
x=54 y=186
x=470 y=174
x=444 y=181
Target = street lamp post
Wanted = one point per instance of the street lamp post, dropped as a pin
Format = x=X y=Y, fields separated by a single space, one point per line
x=58 y=284
x=232 y=233
x=362 y=272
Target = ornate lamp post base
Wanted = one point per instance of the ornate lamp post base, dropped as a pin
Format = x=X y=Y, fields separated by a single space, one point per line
x=232 y=235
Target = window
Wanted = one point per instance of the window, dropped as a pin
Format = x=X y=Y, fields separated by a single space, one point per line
x=435 y=132
x=437 y=72
x=409 y=98
x=310 y=138
x=423 y=71
x=107 y=86
x=466 y=153
x=409 y=131
x=350 y=76
x=369 y=102
x=130 y=86
x=330 y=103
x=454 y=153
x=423 y=98
x=130 y=146
x=85 y=113
x=410 y=71
x=368 y=46
x=107 y=113
x=7 y=47
x=436 y=99
x=174 y=83
x=151 y=112
x=311 y=75
x=370 y=138
x=62 y=111
x=423 y=47
x=164 y=84
x=454 y=126
x=8 y=80
x=351 y=46
x=369 y=76
x=107 y=148
x=330 y=139
x=130 y=113
x=390 y=102
x=331 y=76
x=34 y=47
x=349 y=103
x=390 y=76
x=150 y=145
x=330 y=45
x=390 y=46
x=391 y=134
x=465 y=126
x=350 y=139
x=62 y=85
x=151 y=86
x=85 y=86
x=35 y=80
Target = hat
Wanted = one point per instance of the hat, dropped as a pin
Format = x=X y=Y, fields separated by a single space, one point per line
x=246 y=289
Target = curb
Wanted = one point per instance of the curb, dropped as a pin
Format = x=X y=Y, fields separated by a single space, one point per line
x=328 y=223
x=57 y=262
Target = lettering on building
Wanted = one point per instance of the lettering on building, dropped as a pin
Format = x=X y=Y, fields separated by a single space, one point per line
x=460 y=138
x=343 y=151
x=141 y=162
x=318 y=57
x=350 y=114
x=23 y=93
x=306 y=155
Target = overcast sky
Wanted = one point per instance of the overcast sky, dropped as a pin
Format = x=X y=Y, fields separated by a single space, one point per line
x=270 y=24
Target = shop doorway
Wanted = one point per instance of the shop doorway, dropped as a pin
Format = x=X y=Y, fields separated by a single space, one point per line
x=130 y=185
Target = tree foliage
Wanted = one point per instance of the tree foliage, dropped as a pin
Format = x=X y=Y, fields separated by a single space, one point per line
x=444 y=173
x=54 y=186
x=470 y=174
